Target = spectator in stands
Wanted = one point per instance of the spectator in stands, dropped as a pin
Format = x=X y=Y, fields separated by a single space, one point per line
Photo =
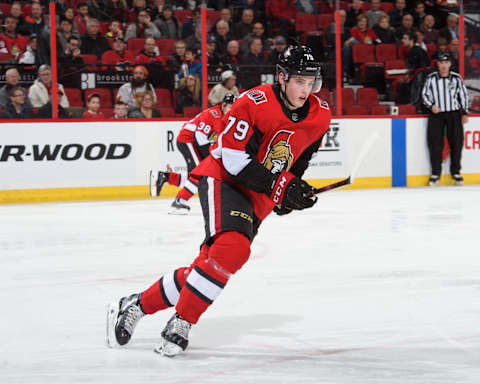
x=70 y=15
x=406 y=27
x=71 y=63
x=93 y=43
x=353 y=13
x=28 y=56
x=257 y=31
x=145 y=108
x=60 y=6
x=42 y=87
x=374 y=13
x=137 y=6
x=16 y=12
x=279 y=45
x=156 y=8
x=188 y=28
x=214 y=61
x=149 y=54
x=361 y=33
x=472 y=64
x=34 y=22
x=223 y=36
x=442 y=47
x=64 y=32
x=454 y=48
x=345 y=40
x=417 y=57
x=114 y=29
x=450 y=31
x=427 y=27
x=421 y=40
x=227 y=85
x=143 y=27
x=244 y=26
x=45 y=111
x=383 y=30
x=191 y=65
x=168 y=24
x=225 y=15
x=282 y=15
x=397 y=13
x=82 y=18
x=16 y=107
x=94 y=103
x=194 y=41
x=10 y=41
x=175 y=61
x=12 y=79
x=117 y=9
x=254 y=63
x=129 y=92
x=419 y=14
x=120 y=110
x=97 y=10
x=118 y=58
x=233 y=53
x=188 y=94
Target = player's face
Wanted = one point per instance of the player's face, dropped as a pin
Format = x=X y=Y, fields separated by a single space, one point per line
x=298 y=88
x=226 y=108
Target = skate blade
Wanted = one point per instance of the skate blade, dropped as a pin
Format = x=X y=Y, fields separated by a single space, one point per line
x=180 y=212
x=153 y=184
x=168 y=349
x=112 y=315
x=458 y=183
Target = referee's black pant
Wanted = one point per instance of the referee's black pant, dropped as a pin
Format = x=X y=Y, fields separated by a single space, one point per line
x=452 y=121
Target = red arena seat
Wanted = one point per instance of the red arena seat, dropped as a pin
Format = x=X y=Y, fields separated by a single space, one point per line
x=164 y=97
x=305 y=22
x=356 y=110
x=379 y=110
x=367 y=96
x=166 y=111
x=165 y=46
x=384 y=52
x=348 y=97
x=135 y=45
x=191 y=111
x=74 y=96
x=324 y=20
x=91 y=61
x=407 y=109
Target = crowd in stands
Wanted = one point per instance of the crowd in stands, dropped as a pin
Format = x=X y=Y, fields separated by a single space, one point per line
x=156 y=46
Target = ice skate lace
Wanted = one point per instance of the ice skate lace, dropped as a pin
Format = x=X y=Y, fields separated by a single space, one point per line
x=181 y=327
x=133 y=314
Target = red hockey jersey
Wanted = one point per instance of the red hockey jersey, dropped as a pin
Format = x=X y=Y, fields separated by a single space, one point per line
x=259 y=128
x=201 y=126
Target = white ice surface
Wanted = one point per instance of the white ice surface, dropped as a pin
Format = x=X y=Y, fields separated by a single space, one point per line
x=368 y=287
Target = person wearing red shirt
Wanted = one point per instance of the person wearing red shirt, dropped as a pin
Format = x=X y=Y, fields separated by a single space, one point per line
x=10 y=41
x=93 y=107
x=149 y=54
x=361 y=32
x=119 y=57
x=255 y=167
x=82 y=18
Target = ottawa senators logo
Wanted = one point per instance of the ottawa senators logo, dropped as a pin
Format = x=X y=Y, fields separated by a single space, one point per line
x=279 y=156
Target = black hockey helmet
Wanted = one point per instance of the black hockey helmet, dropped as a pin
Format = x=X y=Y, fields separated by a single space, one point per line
x=229 y=98
x=299 y=60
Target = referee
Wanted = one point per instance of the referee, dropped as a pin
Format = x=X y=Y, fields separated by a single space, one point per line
x=445 y=95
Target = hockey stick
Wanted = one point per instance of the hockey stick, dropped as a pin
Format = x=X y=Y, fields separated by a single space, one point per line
x=350 y=179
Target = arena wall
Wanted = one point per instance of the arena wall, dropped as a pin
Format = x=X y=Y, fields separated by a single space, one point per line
x=67 y=161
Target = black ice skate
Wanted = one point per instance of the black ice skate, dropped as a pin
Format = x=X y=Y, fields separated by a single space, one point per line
x=174 y=337
x=157 y=181
x=122 y=317
x=434 y=179
x=179 y=207
x=457 y=179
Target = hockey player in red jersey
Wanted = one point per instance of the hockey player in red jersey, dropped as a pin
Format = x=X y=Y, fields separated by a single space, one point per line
x=256 y=166
x=193 y=142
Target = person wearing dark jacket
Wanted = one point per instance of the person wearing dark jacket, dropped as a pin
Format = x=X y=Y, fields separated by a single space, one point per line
x=93 y=43
x=383 y=30
x=254 y=63
x=397 y=14
x=16 y=108
x=188 y=93
x=417 y=57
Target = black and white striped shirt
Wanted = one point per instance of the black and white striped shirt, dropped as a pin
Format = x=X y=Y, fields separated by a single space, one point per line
x=448 y=93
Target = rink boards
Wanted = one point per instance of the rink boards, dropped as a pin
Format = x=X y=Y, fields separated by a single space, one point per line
x=61 y=161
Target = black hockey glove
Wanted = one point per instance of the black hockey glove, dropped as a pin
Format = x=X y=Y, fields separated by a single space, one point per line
x=291 y=192
x=281 y=210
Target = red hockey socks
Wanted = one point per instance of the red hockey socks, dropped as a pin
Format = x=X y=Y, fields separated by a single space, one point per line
x=165 y=292
x=189 y=188
x=174 y=178
x=209 y=275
